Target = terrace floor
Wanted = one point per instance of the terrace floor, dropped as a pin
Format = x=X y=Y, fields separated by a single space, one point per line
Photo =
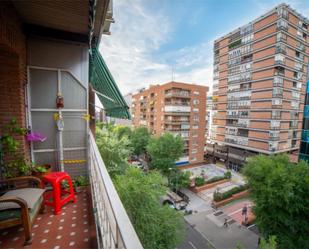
x=73 y=228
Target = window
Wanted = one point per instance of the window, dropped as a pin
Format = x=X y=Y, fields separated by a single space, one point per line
x=294 y=104
x=196 y=118
x=298 y=75
x=298 y=66
x=281 y=37
x=279 y=58
x=273 y=146
x=195 y=126
x=281 y=48
x=279 y=71
x=196 y=102
x=196 y=93
x=193 y=159
x=283 y=12
x=276 y=101
x=276 y=114
x=278 y=81
x=273 y=134
x=194 y=151
x=195 y=109
x=277 y=91
x=274 y=124
x=282 y=24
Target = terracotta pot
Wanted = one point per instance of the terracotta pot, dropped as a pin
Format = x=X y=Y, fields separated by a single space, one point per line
x=42 y=174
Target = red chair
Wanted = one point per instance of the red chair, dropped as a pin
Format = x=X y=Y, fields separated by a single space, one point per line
x=58 y=195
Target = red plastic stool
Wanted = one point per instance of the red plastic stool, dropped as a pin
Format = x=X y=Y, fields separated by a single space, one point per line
x=55 y=179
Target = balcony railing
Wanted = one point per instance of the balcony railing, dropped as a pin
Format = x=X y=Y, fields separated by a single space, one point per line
x=114 y=228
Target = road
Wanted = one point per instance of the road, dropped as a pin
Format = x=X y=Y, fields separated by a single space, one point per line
x=193 y=240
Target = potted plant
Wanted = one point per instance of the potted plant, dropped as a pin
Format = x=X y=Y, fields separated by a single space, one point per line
x=41 y=170
x=80 y=182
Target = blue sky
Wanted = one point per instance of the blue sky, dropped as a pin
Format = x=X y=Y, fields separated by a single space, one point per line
x=152 y=38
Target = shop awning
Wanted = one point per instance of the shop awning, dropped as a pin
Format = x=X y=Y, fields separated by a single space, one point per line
x=106 y=88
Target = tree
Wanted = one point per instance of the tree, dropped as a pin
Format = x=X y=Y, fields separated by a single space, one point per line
x=280 y=190
x=122 y=131
x=264 y=244
x=157 y=226
x=179 y=179
x=139 y=138
x=164 y=151
x=115 y=151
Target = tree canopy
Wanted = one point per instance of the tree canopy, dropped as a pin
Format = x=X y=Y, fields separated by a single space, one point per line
x=164 y=151
x=157 y=226
x=114 y=150
x=280 y=190
x=139 y=138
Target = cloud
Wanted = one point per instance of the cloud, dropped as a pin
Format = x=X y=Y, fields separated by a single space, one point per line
x=132 y=52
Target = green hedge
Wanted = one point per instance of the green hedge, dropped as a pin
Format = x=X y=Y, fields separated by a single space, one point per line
x=222 y=196
x=199 y=181
x=216 y=179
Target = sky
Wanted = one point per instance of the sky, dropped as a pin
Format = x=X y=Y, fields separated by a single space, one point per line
x=155 y=41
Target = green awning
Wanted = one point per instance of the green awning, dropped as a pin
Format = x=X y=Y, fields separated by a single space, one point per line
x=106 y=88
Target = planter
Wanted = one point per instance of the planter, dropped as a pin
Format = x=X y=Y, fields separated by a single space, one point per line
x=42 y=174
x=237 y=196
x=208 y=185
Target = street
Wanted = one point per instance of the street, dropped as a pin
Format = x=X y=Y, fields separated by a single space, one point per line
x=193 y=240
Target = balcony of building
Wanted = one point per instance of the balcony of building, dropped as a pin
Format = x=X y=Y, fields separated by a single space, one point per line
x=178 y=93
x=54 y=104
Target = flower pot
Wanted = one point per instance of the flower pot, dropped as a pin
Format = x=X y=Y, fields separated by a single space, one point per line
x=42 y=174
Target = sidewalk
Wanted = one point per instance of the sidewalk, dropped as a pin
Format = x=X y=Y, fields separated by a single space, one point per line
x=196 y=203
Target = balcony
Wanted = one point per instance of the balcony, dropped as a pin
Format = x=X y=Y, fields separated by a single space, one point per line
x=97 y=220
x=177 y=94
x=178 y=109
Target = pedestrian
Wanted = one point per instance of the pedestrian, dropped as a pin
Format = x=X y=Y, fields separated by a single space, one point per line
x=225 y=224
x=244 y=210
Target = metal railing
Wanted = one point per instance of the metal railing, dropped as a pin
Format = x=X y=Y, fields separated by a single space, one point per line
x=114 y=228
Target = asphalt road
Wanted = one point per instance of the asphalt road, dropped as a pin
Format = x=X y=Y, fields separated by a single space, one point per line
x=193 y=240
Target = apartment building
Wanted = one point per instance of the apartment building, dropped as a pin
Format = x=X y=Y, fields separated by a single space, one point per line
x=259 y=86
x=304 y=145
x=178 y=108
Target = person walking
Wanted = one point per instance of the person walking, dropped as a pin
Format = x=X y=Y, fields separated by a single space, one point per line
x=244 y=213
x=225 y=224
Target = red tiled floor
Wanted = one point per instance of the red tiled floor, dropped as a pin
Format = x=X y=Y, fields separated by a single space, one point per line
x=73 y=228
x=234 y=210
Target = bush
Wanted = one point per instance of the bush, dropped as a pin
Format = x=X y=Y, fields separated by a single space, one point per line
x=216 y=179
x=199 y=181
x=228 y=175
x=222 y=196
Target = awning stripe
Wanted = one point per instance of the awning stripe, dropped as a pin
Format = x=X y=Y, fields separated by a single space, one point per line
x=103 y=82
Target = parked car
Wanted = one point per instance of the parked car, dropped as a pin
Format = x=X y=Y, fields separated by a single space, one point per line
x=174 y=201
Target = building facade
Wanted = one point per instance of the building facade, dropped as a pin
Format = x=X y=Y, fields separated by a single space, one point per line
x=259 y=86
x=178 y=108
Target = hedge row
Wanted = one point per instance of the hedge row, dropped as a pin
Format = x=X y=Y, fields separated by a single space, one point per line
x=222 y=196
x=200 y=181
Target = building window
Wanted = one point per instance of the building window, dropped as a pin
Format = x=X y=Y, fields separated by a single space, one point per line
x=278 y=81
x=273 y=146
x=194 y=151
x=193 y=159
x=195 y=126
x=279 y=59
x=195 y=110
x=196 y=118
x=274 y=124
x=196 y=102
x=281 y=37
x=276 y=101
x=282 y=25
x=196 y=93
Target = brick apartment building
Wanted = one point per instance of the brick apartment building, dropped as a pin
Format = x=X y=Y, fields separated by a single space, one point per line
x=178 y=108
x=259 y=87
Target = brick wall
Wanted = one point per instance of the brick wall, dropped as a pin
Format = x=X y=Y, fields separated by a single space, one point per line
x=12 y=70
